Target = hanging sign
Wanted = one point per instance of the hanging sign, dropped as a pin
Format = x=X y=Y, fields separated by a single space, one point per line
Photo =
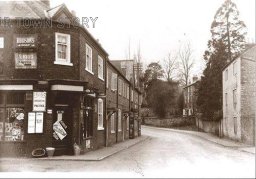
x=39 y=101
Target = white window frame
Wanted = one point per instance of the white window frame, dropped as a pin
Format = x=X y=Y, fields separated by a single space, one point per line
x=60 y=61
x=119 y=120
x=1 y=42
x=128 y=92
x=114 y=81
x=226 y=74
x=88 y=58
x=107 y=82
x=112 y=123
x=119 y=86
x=100 y=114
x=100 y=68
x=234 y=68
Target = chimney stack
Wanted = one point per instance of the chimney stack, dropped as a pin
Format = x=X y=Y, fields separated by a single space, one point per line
x=46 y=2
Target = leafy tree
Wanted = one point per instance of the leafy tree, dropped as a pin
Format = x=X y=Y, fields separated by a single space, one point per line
x=161 y=96
x=228 y=40
x=154 y=71
x=228 y=28
x=210 y=88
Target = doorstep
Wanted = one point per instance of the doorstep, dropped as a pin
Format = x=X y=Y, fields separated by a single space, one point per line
x=101 y=153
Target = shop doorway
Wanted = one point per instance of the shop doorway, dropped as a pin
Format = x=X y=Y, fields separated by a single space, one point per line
x=62 y=130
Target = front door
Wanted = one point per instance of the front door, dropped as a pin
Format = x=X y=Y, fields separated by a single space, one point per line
x=62 y=130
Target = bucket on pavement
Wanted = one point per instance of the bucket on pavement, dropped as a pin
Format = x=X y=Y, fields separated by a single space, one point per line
x=50 y=151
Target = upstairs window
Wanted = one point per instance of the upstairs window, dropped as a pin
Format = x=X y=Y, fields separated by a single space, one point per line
x=1 y=42
x=120 y=86
x=88 y=58
x=114 y=82
x=62 y=47
x=226 y=74
x=100 y=68
x=107 y=83
x=234 y=68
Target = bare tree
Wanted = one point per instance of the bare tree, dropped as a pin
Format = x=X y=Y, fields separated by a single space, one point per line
x=186 y=62
x=170 y=64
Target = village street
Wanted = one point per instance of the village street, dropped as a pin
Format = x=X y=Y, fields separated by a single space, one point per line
x=166 y=153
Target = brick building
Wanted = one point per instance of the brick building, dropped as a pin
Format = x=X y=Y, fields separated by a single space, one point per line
x=122 y=107
x=239 y=97
x=52 y=82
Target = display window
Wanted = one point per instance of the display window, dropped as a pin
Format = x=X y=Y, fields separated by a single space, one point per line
x=12 y=116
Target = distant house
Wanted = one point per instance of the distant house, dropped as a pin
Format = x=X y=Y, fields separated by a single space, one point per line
x=239 y=97
x=190 y=97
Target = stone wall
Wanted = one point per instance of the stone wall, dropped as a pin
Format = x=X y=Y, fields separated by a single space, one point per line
x=170 y=122
x=208 y=126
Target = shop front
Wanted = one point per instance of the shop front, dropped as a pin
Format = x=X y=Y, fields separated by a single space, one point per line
x=36 y=114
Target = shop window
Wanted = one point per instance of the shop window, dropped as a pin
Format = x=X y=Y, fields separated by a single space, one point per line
x=112 y=120
x=62 y=45
x=100 y=114
x=12 y=116
x=88 y=59
x=119 y=120
x=100 y=68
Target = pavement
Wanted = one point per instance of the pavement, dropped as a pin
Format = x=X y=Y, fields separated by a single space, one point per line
x=215 y=139
x=100 y=154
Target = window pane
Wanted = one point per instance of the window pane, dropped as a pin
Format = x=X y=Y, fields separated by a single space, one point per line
x=14 y=124
x=1 y=42
x=15 y=98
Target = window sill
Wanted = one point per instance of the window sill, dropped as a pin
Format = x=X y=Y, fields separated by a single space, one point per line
x=89 y=71
x=63 y=63
x=119 y=130
x=112 y=132
x=101 y=78
x=100 y=128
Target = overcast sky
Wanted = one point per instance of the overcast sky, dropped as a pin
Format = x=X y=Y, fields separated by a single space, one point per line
x=159 y=26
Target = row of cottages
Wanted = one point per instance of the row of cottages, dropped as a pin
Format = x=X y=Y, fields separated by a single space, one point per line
x=239 y=98
x=57 y=85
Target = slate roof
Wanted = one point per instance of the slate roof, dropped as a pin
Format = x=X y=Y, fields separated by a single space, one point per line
x=27 y=9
